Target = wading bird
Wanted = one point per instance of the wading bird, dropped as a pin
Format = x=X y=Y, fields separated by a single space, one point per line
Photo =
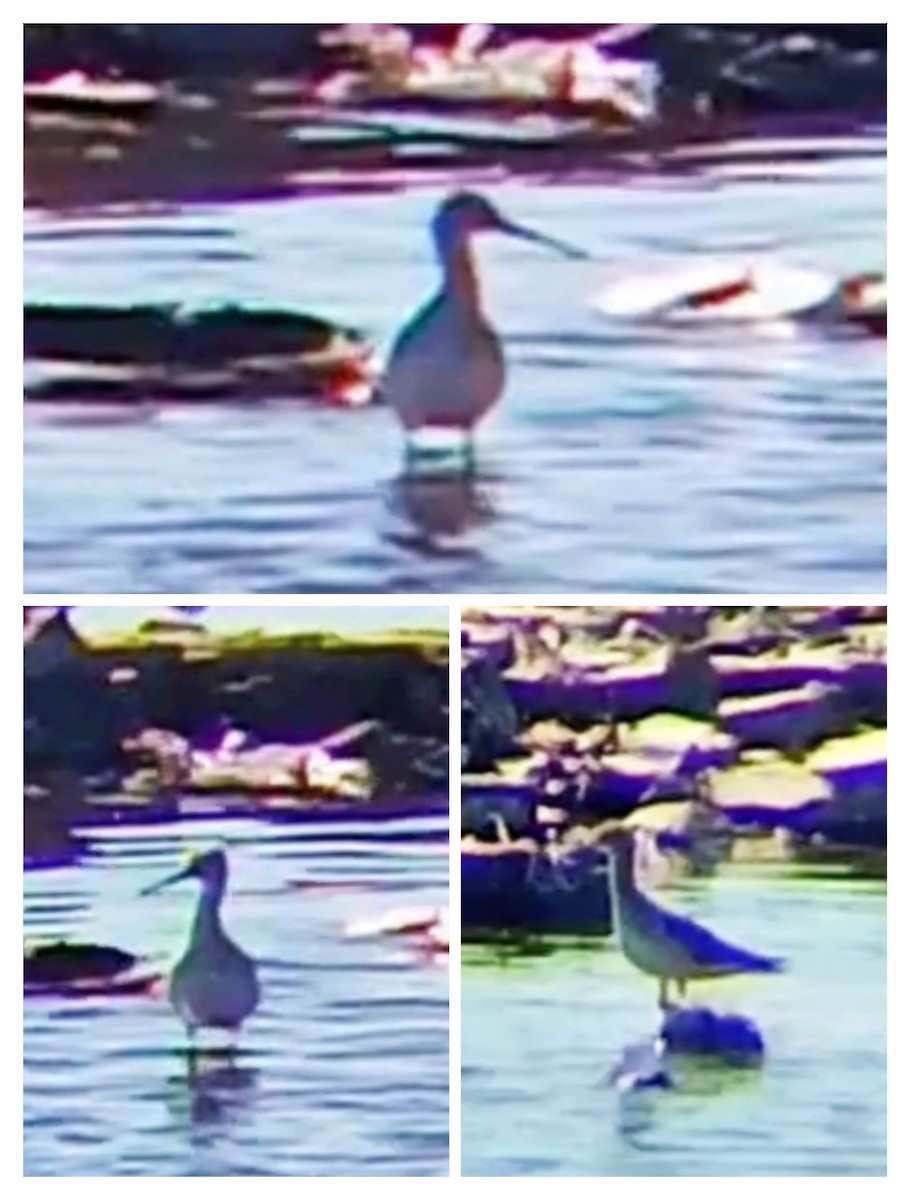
x=447 y=369
x=664 y=944
x=214 y=985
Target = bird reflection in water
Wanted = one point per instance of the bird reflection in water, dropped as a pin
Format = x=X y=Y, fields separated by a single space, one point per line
x=213 y=1086
x=636 y=1114
x=438 y=507
x=694 y=1083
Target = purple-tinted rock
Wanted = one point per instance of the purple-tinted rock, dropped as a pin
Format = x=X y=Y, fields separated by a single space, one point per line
x=526 y=892
x=734 y=1040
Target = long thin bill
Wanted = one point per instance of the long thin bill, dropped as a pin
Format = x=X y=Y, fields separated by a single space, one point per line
x=164 y=883
x=541 y=239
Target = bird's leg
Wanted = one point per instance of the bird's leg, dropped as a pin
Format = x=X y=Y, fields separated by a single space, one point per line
x=664 y=1000
x=681 y=985
x=191 y=1051
x=230 y=1047
x=470 y=456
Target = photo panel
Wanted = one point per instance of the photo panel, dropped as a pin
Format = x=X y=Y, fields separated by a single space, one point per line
x=674 y=889
x=236 y=941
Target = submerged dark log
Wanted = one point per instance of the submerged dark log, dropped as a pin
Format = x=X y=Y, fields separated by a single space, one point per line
x=64 y=962
x=161 y=353
x=158 y=334
x=85 y=333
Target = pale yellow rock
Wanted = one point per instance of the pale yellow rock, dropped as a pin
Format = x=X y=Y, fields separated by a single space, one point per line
x=671 y=732
x=770 y=783
x=866 y=747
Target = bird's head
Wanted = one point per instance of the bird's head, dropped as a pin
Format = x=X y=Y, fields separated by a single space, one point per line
x=466 y=213
x=210 y=868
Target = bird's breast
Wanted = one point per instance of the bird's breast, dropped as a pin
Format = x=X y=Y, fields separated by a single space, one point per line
x=448 y=370
x=215 y=989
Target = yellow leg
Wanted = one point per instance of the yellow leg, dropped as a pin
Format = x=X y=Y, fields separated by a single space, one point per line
x=192 y=1053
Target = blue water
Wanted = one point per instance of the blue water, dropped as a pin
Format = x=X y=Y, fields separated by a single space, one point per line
x=618 y=460
x=540 y=1034
x=344 y=1070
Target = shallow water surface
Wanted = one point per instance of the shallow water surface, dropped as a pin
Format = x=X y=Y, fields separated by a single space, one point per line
x=618 y=460
x=344 y=1069
x=539 y=1034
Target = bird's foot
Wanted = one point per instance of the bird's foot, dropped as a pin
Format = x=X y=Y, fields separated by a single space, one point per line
x=440 y=450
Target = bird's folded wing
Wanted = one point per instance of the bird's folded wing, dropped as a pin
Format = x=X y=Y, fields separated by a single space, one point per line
x=706 y=950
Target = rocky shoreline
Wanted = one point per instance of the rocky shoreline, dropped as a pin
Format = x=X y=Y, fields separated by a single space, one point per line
x=689 y=54
x=173 y=720
x=718 y=733
x=118 y=113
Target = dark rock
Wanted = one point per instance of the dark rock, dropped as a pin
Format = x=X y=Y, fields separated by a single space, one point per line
x=801 y=74
x=403 y=765
x=55 y=804
x=64 y=962
x=161 y=52
x=700 y=1032
x=71 y=719
x=855 y=819
x=523 y=891
x=489 y=817
x=692 y=684
x=490 y=724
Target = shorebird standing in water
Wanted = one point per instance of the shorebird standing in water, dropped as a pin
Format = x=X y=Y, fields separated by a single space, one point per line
x=447 y=369
x=664 y=944
x=214 y=985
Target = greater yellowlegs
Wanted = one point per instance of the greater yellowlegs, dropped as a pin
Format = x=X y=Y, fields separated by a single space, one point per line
x=214 y=985
x=447 y=368
x=664 y=944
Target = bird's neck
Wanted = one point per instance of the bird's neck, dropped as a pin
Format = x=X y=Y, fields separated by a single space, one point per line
x=622 y=870
x=461 y=282
x=207 y=922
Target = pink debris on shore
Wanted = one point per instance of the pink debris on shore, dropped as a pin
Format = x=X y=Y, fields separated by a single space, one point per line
x=571 y=71
x=430 y=926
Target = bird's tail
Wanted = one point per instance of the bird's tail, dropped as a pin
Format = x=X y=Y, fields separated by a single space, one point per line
x=766 y=966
